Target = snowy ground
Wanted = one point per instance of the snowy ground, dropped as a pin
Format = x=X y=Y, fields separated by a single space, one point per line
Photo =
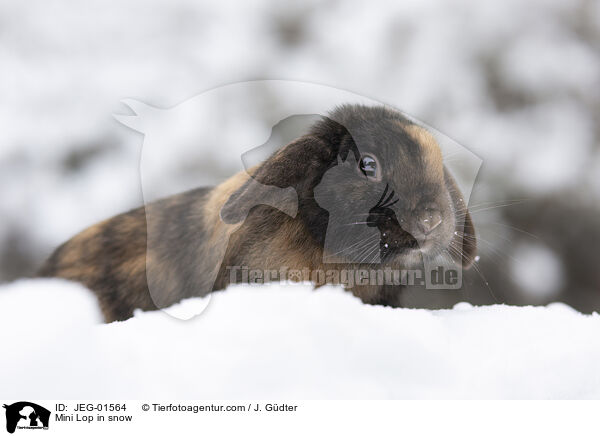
x=289 y=342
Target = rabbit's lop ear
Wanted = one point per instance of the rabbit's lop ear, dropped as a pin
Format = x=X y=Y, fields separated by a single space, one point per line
x=278 y=181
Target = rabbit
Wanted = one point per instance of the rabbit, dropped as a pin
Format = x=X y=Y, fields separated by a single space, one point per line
x=364 y=187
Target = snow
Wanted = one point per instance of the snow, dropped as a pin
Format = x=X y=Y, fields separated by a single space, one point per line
x=288 y=341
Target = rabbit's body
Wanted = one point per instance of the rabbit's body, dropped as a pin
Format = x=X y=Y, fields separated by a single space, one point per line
x=306 y=208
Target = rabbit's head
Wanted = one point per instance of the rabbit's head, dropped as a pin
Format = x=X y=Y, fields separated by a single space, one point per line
x=365 y=168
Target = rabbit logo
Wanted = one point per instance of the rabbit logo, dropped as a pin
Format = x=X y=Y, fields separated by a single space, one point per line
x=230 y=121
x=26 y=415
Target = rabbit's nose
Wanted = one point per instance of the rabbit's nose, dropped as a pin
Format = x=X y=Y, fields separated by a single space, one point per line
x=428 y=220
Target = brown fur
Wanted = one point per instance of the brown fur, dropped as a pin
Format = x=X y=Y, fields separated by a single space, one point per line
x=431 y=149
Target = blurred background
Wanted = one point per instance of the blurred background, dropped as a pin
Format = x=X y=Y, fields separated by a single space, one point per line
x=516 y=83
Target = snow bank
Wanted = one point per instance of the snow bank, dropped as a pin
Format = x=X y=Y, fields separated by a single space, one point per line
x=287 y=341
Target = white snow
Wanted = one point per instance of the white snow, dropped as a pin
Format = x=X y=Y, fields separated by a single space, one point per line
x=288 y=341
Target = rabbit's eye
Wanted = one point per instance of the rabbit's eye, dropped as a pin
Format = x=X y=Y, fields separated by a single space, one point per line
x=368 y=166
